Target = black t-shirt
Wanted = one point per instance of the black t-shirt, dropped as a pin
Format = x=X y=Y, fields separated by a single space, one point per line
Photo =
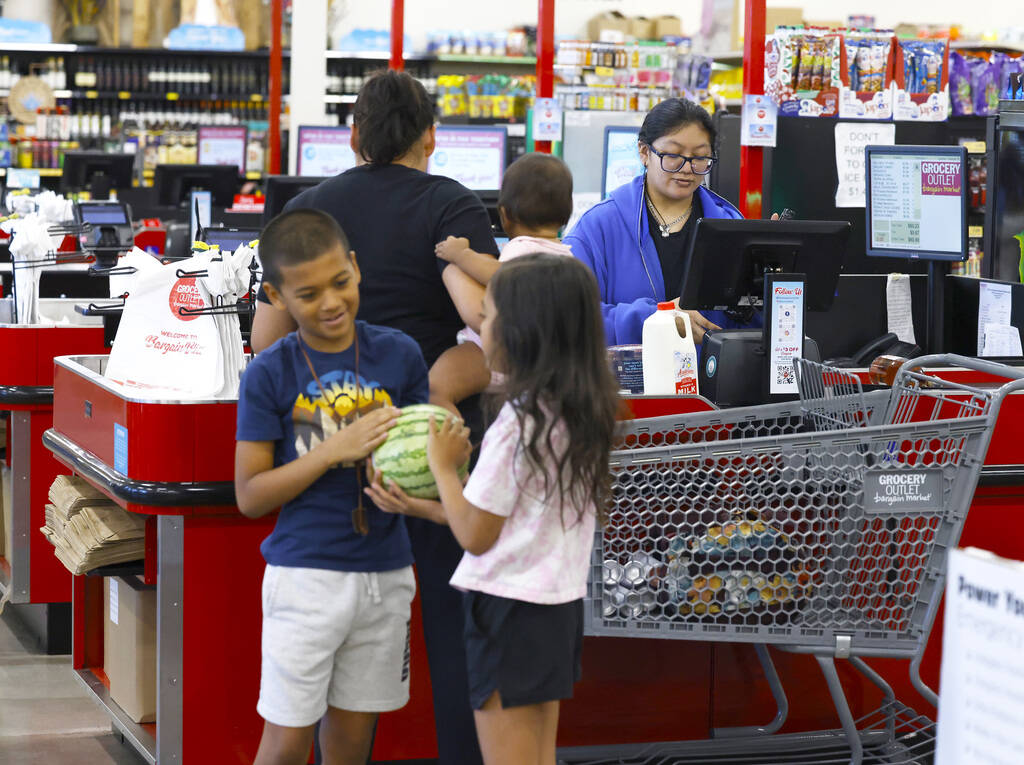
x=674 y=248
x=393 y=216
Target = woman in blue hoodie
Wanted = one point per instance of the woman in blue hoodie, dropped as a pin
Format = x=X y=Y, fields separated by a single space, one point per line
x=636 y=240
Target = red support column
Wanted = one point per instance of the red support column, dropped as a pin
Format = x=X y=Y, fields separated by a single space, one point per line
x=274 y=107
x=397 y=61
x=752 y=157
x=545 y=57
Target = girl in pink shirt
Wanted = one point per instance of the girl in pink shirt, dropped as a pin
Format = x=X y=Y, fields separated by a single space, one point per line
x=526 y=517
x=534 y=206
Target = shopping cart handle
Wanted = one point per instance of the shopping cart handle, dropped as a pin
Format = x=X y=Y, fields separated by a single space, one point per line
x=955 y=360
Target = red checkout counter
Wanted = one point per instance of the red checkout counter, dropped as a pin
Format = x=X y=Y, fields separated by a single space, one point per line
x=29 y=572
x=173 y=462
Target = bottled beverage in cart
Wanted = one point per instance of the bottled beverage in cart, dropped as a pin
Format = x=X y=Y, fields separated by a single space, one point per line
x=669 y=359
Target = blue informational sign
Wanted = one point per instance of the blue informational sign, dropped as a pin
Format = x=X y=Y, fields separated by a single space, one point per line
x=621 y=158
x=196 y=37
x=24 y=32
x=121 y=449
x=20 y=178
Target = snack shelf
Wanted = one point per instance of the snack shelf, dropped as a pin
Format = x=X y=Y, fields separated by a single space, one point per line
x=372 y=55
x=456 y=58
x=44 y=172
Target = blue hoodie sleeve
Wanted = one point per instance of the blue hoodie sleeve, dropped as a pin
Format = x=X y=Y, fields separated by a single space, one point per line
x=623 y=322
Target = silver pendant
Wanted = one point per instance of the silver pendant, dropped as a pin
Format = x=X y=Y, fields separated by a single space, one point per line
x=664 y=232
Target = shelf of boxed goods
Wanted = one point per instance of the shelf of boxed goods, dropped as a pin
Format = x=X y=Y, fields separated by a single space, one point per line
x=453 y=58
x=44 y=172
x=371 y=55
x=56 y=172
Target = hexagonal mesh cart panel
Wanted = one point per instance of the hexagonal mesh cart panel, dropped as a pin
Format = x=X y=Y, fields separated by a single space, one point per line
x=750 y=525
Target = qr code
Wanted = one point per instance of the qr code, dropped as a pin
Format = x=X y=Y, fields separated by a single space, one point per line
x=784 y=375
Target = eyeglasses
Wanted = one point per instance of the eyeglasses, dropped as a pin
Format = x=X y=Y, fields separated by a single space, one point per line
x=674 y=163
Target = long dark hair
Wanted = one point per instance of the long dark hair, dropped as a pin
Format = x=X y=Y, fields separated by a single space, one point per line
x=671 y=115
x=391 y=112
x=550 y=344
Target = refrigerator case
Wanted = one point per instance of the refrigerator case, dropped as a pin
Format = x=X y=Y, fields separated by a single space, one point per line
x=1006 y=196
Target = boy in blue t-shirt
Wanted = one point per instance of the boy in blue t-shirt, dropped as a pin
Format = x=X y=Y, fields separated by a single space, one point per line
x=338 y=583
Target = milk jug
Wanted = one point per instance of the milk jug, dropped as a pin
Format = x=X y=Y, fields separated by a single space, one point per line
x=669 y=361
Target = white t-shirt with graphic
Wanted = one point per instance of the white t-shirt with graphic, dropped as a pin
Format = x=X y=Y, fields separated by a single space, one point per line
x=534 y=558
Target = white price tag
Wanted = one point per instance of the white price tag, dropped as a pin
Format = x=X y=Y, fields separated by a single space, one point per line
x=760 y=121
x=547 y=120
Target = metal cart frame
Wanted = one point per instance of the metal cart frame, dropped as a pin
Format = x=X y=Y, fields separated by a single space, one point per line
x=820 y=527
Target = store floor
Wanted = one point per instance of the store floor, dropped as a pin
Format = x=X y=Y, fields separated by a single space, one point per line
x=45 y=715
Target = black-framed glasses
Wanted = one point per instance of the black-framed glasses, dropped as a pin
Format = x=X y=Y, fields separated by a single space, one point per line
x=674 y=163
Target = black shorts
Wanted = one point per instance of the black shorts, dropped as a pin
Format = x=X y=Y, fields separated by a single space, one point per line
x=529 y=653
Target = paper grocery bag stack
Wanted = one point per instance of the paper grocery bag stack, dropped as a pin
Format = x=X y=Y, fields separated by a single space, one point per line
x=88 y=530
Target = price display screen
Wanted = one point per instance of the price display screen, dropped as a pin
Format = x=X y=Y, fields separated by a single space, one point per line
x=474 y=156
x=325 y=151
x=621 y=158
x=222 y=146
x=916 y=202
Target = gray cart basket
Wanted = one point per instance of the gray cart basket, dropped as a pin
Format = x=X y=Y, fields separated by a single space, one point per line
x=819 y=527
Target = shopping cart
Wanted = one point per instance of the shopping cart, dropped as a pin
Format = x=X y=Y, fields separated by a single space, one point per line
x=819 y=526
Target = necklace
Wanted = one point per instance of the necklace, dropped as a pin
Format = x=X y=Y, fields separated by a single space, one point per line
x=359 y=520
x=664 y=227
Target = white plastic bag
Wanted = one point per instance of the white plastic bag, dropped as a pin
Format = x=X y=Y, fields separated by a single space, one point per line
x=158 y=350
x=30 y=243
x=138 y=259
x=227 y=282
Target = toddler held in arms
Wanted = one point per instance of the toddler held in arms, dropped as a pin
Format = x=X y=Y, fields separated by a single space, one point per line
x=535 y=204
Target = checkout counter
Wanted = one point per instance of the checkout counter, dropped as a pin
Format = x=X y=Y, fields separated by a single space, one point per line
x=203 y=557
x=172 y=461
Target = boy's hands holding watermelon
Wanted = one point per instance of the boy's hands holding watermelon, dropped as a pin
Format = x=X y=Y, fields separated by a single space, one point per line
x=357 y=439
x=393 y=500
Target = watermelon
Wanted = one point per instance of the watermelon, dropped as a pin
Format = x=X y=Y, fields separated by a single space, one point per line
x=402 y=458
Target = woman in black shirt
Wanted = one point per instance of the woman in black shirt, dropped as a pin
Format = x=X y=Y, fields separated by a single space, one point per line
x=393 y=213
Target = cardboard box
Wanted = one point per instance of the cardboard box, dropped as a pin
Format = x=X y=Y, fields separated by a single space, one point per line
x=782 y=17
x=129 y=646
x=610 y=26
x=667 y=26
x=641 y=27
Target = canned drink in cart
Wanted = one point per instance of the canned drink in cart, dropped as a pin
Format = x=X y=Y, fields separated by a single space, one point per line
x=611 y=572
x=634 y=605
x=613 y=601
x=638 y=571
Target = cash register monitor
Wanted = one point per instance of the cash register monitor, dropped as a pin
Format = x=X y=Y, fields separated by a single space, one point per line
x=728 y=266
x=229 y=239
x=174 y=182
x=727 y=260
x=281 y=189
x=916 y=202
x=96 y=171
